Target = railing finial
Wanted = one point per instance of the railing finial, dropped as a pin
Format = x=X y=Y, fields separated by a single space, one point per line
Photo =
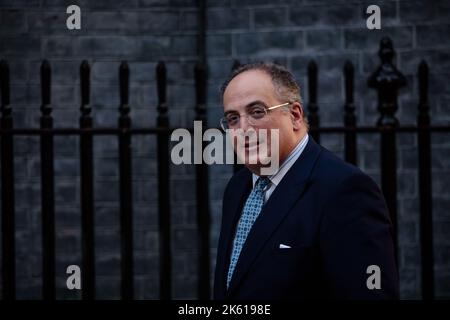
x=387 y=80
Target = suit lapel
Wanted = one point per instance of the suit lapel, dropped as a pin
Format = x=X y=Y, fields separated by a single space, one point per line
x=274 y=211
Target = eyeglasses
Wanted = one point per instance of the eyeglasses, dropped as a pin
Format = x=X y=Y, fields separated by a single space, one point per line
x=256 y=115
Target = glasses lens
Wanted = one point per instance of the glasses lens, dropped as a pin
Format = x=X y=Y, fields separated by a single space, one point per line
x=224 y=124
x=232 y=120
x=257 y=114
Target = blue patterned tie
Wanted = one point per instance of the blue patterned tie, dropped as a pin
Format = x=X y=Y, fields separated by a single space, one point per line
x=251 y=211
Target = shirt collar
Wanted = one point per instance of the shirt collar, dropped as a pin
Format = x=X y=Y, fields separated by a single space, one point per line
x=287 y=164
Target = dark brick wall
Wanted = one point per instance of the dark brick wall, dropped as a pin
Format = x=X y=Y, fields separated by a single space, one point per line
x=145 y=31
x=141 y=32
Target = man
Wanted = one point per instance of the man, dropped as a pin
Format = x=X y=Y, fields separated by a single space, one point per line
x=317 y=228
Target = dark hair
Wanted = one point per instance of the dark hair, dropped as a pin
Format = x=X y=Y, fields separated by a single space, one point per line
x=283 y=81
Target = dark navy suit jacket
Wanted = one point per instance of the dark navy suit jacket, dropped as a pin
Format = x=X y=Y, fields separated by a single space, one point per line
x=334 y=218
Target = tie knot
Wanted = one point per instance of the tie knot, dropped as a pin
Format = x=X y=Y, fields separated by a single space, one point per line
x=262 y=183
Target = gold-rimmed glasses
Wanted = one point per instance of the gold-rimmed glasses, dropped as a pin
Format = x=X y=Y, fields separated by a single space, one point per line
x=256 y=115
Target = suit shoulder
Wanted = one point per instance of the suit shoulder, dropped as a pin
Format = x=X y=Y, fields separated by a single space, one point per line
x=333 y=170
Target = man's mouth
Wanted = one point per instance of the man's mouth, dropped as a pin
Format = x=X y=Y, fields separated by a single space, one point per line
x=248 y=145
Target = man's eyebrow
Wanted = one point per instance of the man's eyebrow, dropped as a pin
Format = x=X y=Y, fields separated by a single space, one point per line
x=249 y=105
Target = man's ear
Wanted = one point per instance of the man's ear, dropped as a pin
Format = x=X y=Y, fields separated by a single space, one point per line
x=297 y=115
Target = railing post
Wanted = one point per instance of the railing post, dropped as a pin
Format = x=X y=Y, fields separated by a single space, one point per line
x=426 y=213
x=387 y=80
x=47 y=186
x=87 y=188
x=165 y=251
x=349 y=117
x=313 y=108
x=236 y=166
x=7 y=173
x=126 y=204
x=203 y=217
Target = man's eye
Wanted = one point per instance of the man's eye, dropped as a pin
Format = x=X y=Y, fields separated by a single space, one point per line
x=232 y=119
x=258 y=112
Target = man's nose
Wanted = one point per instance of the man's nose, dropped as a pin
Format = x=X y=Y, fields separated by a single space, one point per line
x=243 y=123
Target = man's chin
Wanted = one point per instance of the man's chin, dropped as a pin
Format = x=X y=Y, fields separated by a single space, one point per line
x=250 y=157
x=254 y=164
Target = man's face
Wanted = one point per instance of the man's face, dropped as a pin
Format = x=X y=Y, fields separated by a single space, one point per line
x=255 y=86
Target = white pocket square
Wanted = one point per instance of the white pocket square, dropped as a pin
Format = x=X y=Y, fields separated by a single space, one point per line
x=284 y=246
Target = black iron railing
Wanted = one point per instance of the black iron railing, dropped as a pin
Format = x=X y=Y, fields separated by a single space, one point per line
x=386 y=80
